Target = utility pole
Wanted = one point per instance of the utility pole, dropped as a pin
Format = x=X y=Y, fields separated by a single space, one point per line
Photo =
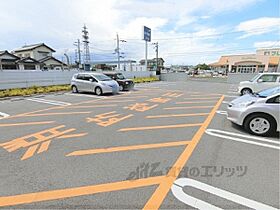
x=118 y=51
x=157 y=66
x=78 y=45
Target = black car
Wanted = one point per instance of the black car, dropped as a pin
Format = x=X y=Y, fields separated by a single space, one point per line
x=125 y=84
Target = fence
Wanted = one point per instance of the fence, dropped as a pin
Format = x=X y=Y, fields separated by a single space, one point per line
x=27 y=78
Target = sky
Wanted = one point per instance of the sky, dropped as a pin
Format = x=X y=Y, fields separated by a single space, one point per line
x=188 y=32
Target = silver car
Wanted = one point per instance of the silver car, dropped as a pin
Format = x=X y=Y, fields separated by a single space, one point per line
x=259 y=113
x=93 y=82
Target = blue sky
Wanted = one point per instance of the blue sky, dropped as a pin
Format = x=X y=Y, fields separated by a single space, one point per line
x=188 y=32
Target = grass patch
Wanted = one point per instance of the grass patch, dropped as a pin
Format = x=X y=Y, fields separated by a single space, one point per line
x=33 y=90
x=145 y=79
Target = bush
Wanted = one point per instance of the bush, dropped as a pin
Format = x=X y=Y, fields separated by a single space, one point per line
x=145 y=79
x=33 y=90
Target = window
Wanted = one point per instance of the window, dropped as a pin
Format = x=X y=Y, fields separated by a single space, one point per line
x=87 y=77
x=274 y=100
x=80 y=76
x=269 y=78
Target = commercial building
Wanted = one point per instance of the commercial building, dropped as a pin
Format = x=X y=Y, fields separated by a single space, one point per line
x=264 y=60
x=152 y=64
x=125 y=65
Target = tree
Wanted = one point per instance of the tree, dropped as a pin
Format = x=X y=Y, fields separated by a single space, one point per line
x=203 y=66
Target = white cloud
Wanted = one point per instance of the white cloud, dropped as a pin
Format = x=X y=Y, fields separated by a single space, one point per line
x=258 y=26
x=267 y=44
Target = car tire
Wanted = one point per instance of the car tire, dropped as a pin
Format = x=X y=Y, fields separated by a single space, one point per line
x=260 y=124
x=98 y=91
x=245 y=91
x=74 y=89
x=121 y=88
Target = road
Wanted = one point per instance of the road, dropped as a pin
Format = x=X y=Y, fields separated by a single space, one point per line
x=164 y=145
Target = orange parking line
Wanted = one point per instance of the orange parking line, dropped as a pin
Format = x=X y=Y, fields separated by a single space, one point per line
x=206 y=98
x=93 y=106
x=44 y=147
x=160 y=127
x=30 y=152
x=160 y=193
x=72 y=136
x=78 y=191
x=194 y=102
x=188 y=107
x=127 y=148
x=26 y=123
x=176 y=115
x=57 y=113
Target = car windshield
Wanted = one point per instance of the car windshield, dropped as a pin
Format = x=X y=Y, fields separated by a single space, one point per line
x=120 y=76
x=253 y=79
x=102 y=77
x=268 y=92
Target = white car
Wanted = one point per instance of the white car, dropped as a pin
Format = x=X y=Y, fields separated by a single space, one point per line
x=258 y=113
x=260 y=82
x=93 y=82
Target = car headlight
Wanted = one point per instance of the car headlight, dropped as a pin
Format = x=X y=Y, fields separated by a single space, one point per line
x=126 y=83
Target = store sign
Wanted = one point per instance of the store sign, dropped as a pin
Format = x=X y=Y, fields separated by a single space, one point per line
x=147 y=34
x=272 y=53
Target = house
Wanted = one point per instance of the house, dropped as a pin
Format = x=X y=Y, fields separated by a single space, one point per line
x=152 y=64
x=41 y=53
x=28 y=64
x=8 y=60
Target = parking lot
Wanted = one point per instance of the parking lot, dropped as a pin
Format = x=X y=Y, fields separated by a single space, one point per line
x=163 y=145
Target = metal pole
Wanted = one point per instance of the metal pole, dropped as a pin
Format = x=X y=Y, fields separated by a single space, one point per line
x=157 y=70
x=118 y=51
x=146 y=55
x=79 y=51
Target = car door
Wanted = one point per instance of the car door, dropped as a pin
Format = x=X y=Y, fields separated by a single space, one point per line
x=88 y=83
x=273 y=104
x=80 y=82
x=266 y=81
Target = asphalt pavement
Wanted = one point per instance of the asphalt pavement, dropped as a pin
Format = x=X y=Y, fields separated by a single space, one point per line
x=165 y=145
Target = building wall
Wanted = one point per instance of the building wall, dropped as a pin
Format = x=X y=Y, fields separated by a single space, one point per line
x=35 y=54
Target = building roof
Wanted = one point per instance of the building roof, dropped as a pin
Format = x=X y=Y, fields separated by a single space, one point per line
x=51 y=58
x=274 y=60
x=32 y=47
x=149 y=60
x=27 y=60
x=10 y=54
x=222 y=61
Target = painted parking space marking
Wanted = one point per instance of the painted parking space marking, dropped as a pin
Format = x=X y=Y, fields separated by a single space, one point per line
x=78 y=191
x=203 y=98
x=205 y=95
x=26 y=123
x=92 y=106
x=55 y=113
x=244 y=138
x=85 y=95
x=3 y=115
x=177 y=190
x=127 y=148
x=160 y=127
x=40 y=143
x=188 y=107
x=176 y=115
x=230 y=96
x=194 y=102
x=226 y=102
x=52 y=102
x=162 y=190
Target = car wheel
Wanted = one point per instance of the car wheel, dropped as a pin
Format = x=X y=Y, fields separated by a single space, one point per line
x=246 y=91
x=121 y=88
x=98 y=91
x=74 y=89
x=260 y=124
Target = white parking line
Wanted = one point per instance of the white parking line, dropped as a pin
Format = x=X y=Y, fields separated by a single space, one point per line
x=179 y=184
x=44 y=101
x=83 y=95
x=233 y=92
x=3 y=115
x=229 y=96
x=245 y=138
x=225 y=102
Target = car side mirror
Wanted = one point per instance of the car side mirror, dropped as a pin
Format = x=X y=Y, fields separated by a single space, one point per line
x=260 y=80
x=91 y=80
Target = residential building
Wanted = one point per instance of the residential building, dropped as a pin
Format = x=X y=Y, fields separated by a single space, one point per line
x=8 y=60
x=152 y=64
x=264 y=60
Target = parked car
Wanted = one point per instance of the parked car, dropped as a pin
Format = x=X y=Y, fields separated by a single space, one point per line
x=258 y=113
x=125 y=84
x=93 y=82
x=260 y=82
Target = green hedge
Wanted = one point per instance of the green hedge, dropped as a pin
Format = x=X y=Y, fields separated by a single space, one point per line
x=145 y=79
x=33 y=90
